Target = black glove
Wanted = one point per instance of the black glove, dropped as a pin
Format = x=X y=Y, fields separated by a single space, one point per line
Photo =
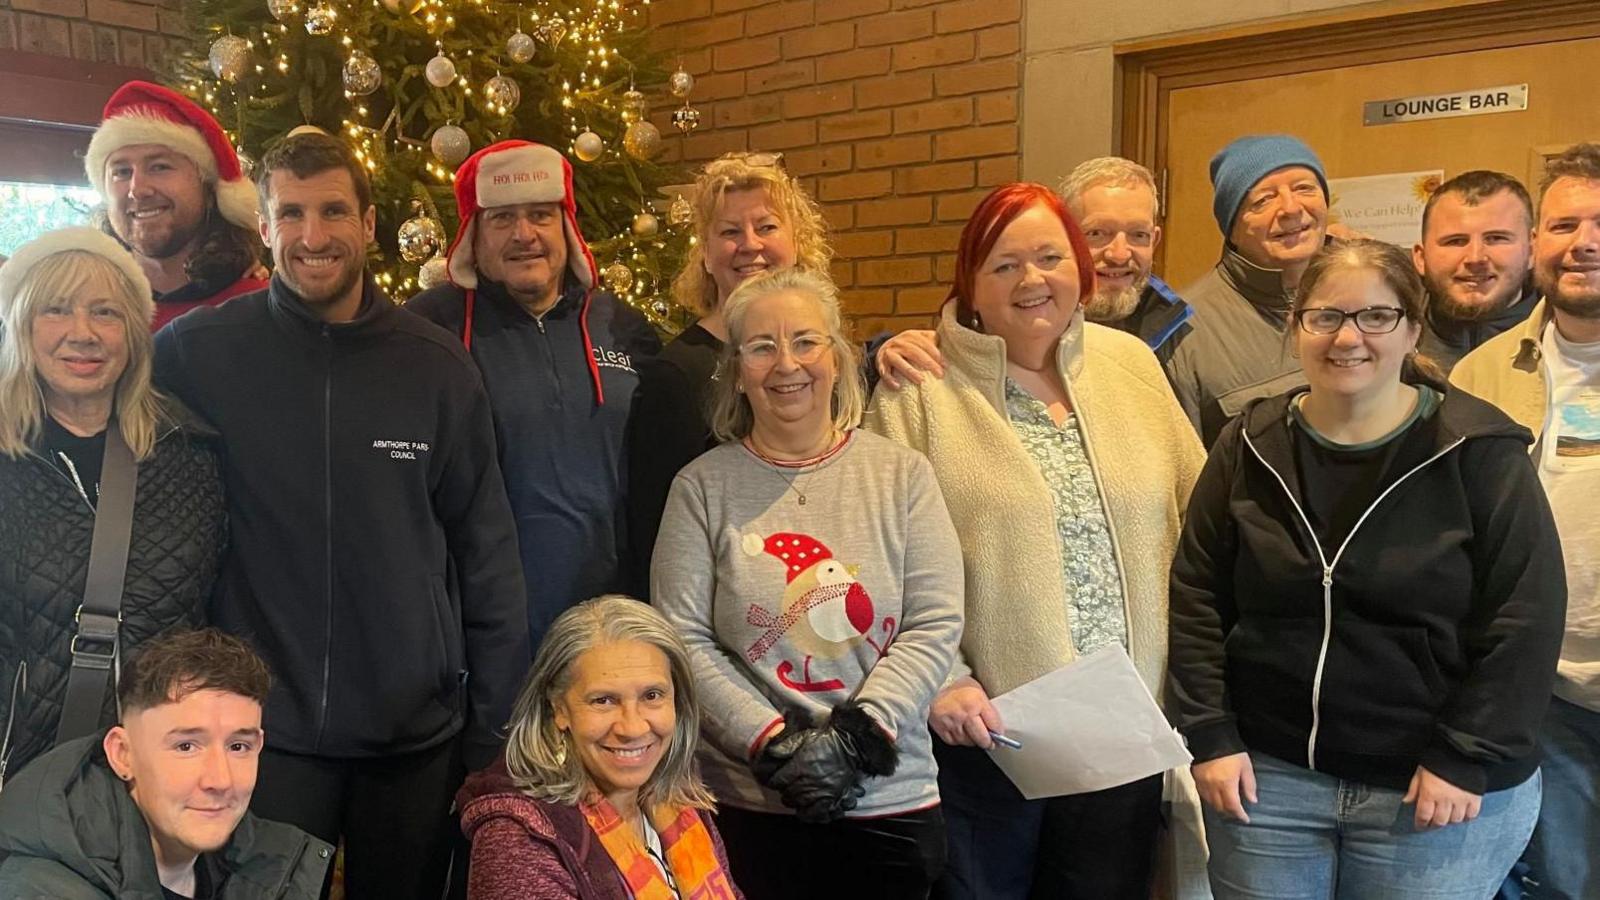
x=818 y=771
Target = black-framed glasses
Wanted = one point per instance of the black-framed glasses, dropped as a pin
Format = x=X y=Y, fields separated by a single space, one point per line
x=1327 y=320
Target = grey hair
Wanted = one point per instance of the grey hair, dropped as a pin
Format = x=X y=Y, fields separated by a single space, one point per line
x=731 y=415
x=1113 y=170
x=539 y=755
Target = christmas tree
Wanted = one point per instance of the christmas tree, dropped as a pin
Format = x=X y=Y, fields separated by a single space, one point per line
x=415 y=86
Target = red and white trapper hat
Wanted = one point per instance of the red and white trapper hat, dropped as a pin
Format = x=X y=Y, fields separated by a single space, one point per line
x=509 y=173
x=144 y=113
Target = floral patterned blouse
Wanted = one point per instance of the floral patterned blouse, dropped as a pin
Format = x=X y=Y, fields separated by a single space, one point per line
x=1088 y=563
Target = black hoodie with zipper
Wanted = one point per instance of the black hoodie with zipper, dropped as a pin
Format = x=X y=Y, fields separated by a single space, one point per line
x=1428 y=637
x=374 y=559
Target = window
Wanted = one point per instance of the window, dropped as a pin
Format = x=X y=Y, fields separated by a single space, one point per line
x=28 y=210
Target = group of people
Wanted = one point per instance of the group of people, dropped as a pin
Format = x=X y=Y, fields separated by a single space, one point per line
x=1353 y=577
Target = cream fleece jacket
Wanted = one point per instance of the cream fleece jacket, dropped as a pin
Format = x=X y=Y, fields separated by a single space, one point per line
x=1145 y=457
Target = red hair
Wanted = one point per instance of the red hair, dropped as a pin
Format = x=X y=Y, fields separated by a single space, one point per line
x=991 y=218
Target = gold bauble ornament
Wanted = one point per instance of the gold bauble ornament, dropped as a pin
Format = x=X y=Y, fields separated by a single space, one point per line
x=642 y=140
x=618 y=277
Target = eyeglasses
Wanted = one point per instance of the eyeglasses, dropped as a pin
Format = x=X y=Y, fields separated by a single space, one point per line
x=752 y=157
x=804 y=349
x=1372 y=320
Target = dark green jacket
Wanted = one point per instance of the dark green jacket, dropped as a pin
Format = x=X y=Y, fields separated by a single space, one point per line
x=70 y=831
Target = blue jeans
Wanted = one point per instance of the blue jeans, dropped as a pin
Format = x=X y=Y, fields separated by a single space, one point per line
x=1563 y=859
x=1315 y=837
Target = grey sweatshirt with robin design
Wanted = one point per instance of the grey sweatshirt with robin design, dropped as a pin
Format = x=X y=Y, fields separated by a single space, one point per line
x=808 y=587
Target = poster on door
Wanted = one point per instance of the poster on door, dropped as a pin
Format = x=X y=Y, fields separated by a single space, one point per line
x=1385 y=207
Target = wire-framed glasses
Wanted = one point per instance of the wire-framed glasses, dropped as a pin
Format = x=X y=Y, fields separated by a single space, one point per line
x=804 y=349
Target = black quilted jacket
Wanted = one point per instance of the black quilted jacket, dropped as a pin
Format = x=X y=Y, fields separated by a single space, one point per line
x=46 y=527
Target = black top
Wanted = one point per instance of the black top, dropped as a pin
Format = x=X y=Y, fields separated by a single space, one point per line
x=86 y=453
x=1429 y=637
x=670 y=427
x=203 y=887
x=374 y=557
x=1340 y=481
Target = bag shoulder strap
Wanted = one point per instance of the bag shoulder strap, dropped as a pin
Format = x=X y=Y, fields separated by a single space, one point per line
x=95 y=645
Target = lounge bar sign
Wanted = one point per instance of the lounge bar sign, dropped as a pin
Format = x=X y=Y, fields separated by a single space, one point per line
x=1477 y=102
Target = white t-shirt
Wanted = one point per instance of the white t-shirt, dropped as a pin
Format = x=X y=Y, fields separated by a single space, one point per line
x=1569 y=466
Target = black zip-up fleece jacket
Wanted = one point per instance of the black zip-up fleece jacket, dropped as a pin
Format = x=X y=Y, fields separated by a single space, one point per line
x=1429 y=638
x=374 y=560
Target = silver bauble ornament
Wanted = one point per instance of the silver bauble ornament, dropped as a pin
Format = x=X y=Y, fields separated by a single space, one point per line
x=660 y=308
x=588 y=146
x=451 y=145
x=433 y=273
x=681 y=212
x=634 y=105
x=686 y=119
x=247 y=163
x=645 y=224
x=320 y=19
x=681 y=83
x=642 y=140
x=502 y=93
x=440 y=70
x=521 y=47
x=230 y=57
x=551 y=30
x=282 y=9
x=618 y=277
x=362 y=74
x=420 y=237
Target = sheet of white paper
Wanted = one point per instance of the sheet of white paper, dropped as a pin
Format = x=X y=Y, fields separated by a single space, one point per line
x=1089 y=725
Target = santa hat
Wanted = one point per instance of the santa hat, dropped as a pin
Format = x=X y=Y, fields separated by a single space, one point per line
x=506 y=174
x=88 y=240
x=144 y=113
x=797 y=552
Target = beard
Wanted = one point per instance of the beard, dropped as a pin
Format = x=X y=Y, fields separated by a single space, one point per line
x=350 y=274
x=1582 y=304
x=1443 y=305
x=1111 y=307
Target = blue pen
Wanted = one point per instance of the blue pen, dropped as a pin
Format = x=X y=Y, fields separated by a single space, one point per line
x=1004 y=741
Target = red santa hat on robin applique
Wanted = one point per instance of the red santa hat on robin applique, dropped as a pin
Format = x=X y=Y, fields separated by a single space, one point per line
x=144 y=113
x=797 y=552
x=506 y=174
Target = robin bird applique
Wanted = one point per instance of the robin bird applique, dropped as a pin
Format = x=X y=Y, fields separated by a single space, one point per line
x=824 y=613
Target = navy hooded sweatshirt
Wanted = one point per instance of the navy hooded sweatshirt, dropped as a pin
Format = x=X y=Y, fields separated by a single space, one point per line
x=561 y=432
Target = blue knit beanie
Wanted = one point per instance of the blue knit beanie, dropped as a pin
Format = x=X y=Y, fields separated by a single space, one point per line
x=1237 y=167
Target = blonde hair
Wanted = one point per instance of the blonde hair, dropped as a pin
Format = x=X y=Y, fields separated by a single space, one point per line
x=694 y=288
x=539 y=756
x=138 y=406
x=732 y=418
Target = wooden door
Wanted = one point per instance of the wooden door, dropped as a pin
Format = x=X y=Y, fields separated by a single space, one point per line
x=1183 y=102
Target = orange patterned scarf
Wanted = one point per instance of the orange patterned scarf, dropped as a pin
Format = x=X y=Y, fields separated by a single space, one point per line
x=691 y=855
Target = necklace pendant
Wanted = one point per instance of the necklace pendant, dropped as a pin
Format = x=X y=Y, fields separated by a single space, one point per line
x=802 y=499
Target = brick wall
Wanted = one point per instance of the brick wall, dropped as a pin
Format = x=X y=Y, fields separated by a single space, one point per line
x=898 y=115
x=123 y=32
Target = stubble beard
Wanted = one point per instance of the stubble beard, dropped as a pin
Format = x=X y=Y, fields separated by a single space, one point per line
x=1584 y=305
